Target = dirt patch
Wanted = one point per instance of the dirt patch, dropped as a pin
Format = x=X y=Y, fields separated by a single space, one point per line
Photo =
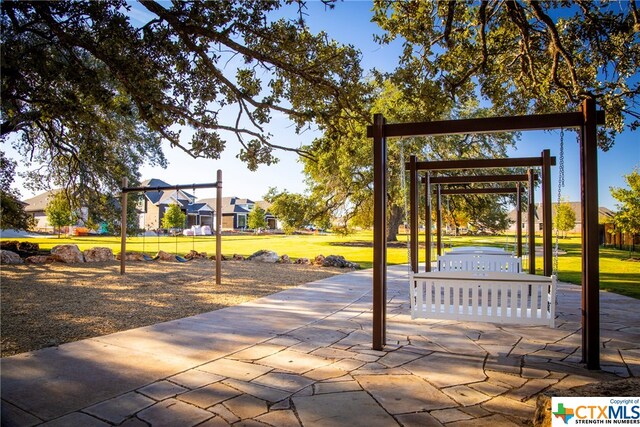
x=50 y=304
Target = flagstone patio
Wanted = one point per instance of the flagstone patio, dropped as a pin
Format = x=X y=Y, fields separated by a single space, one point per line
x=304 y=357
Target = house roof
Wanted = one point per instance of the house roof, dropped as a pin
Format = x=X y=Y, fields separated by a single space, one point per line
x=157 y=197
x=199 y=207
x=39 y=202
x=230 y=205
x=575 y=207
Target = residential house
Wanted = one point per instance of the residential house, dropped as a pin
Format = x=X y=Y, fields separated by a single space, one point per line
x=37 y=205
x=154 y=204
x=575 y=206
x=235 y=212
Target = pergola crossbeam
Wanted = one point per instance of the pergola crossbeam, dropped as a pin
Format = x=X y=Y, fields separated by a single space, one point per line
x=506 y=190
x=471 y=179
x=488 y=125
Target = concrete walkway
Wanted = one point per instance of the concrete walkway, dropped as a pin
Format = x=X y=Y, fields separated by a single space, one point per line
x=303 y=357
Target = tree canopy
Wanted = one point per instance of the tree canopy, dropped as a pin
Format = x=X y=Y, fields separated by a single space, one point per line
x=173 y=217
x=12 y=213
x=59 y=212
x=565 y=218
x=628 y=216
x=89 y=95
x=522 y=56
x=256 y=218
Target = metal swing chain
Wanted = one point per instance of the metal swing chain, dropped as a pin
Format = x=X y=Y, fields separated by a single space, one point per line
x=403 y=186
x=560 y=185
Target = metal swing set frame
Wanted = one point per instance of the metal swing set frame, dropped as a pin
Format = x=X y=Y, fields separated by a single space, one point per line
x=123 y=229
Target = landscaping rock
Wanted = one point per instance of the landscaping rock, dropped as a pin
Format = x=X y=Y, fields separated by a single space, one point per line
x=264 y=256
x=284 y=259
x=319 y=260
x=196 y=255
x=237 y=257
x=28 y=247
x=9 y=245
x=67 y=253
x=9 y=257
x=132 y=256
x=165 y=256
x=98 y=255
x=338 y=261
x=39 y=259
x=303 y=261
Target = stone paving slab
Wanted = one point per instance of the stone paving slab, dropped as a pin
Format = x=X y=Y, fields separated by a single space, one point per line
x=304 y=357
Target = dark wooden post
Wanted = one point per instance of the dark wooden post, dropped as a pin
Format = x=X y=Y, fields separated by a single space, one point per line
x=413 y=212
x=547 y=219
x=519 y=220
x=590 y=241
x=379 y=231
x=123 y=227
x=427 y=228
x=219 y=227
x=438 y=221
x=531 y=224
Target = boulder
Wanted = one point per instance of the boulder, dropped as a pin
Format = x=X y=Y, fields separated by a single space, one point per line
x=303 y=261
x=264 y=256
x=98 y=255
x=39 y=259
x=165 y=256
x=132 y=256
x=67 y=253
x=196 y=255
x=338 y=261
x=9 y=257
x=28 y=247
x=319 y=260
x=9 y=245
x=284 y=259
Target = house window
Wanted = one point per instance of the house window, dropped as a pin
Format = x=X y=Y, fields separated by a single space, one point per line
x=540 y=227
x=242 y=221
x=523 y=225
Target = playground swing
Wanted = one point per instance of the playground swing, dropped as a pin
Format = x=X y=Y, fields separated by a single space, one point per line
x=144 y=233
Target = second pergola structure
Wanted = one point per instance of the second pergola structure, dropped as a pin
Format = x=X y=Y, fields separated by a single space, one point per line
x=545 y=161
x=586 y=120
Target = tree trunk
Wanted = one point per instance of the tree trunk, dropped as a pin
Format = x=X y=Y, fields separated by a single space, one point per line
x=395 y=219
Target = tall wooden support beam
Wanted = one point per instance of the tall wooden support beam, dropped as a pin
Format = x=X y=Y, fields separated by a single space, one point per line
x=123 y=227
x=590 y=241
x=413 y=212
x=531 y=223
x=219 y=228
x=519 y=220
x=547 y=218
x=438 y=221
x=379 y=232
x=427 y=224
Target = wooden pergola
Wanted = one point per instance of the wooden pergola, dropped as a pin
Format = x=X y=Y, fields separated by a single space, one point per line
x=544 y=160
x=586 y=120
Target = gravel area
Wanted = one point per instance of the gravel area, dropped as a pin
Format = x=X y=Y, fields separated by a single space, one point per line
x=47 y=305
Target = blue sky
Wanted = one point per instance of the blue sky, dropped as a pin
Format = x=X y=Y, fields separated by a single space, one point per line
x=349 y=23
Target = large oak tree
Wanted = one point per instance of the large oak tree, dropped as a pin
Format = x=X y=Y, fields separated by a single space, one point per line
x=89 y=96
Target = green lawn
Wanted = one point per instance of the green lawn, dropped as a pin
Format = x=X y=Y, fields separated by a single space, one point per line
x=617 y=273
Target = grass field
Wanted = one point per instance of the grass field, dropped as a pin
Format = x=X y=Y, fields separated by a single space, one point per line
x=617 y=273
